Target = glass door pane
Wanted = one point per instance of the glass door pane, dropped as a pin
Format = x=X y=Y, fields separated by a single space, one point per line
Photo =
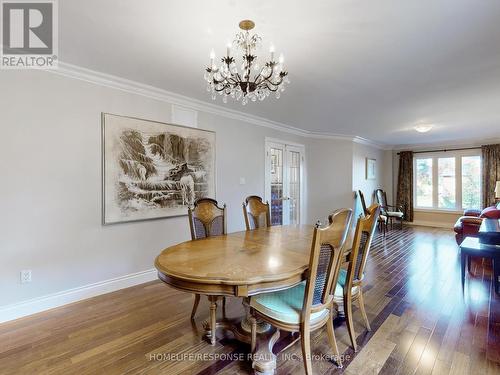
x=276 y=155
x=283 y=182
x=293 y=187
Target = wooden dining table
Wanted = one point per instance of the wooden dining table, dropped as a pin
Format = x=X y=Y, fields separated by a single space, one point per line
x=240 y=264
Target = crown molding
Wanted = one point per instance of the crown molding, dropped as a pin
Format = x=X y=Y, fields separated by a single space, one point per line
x=368 y=142
x=134 y=87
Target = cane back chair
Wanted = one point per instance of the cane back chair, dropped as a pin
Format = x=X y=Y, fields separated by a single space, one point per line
x=349 y=286
x=206 y=219
x=256 y=213
x=309 y=305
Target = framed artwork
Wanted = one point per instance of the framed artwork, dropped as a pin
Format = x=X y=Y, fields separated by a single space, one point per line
x=153 y=170
x=371 y=169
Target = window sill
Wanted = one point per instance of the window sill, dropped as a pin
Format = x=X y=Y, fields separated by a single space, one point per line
x=438 y=211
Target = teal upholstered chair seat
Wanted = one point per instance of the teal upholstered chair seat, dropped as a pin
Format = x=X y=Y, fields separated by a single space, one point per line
x=285 y=305
x=339 y=288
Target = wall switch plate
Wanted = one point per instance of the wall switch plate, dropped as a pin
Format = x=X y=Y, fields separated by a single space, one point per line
x=25 y=276
x=242 y=181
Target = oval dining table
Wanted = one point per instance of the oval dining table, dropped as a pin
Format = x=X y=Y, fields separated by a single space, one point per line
x=240 y=264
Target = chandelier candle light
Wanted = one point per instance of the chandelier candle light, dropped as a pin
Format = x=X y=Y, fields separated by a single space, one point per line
x=253 y=81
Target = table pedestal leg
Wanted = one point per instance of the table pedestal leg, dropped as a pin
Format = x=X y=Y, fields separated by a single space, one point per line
x=264 y=360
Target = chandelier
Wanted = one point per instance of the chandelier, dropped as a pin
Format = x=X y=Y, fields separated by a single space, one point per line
x=252 y=81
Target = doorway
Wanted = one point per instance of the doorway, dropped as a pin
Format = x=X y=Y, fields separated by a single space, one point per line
x=284 y=181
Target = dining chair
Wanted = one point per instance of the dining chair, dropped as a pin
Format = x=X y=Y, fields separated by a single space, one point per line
x=309 y=305
x=206 y=219
x=349 y=286
x=391 y=212
x=382 y=219
x=256 y=213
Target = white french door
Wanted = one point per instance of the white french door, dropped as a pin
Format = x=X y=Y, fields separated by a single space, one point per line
x=284 y=175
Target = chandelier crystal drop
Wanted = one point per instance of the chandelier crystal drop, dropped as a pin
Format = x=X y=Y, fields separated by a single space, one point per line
x=251 y=82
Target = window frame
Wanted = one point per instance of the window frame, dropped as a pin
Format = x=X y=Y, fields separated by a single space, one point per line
x=435 y=178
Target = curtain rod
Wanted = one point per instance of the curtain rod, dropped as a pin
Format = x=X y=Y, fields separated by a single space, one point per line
x=446 y=150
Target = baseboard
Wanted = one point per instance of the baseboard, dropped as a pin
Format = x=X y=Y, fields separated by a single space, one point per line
x=434 y=224
x=35 y=305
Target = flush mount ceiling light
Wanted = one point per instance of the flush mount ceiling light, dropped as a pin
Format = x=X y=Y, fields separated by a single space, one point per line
x=252 y=81
x=423 y=128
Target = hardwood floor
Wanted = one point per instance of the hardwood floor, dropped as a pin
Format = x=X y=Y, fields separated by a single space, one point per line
x=421 y=324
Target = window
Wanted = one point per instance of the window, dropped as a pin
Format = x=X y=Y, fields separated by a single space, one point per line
x=424 y=183
x=447 y=181
x=471 y=182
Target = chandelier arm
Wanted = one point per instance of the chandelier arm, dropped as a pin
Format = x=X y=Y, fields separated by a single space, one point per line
x=259 y=76
x=268 y=81
x=274 y=89
x=276 y=85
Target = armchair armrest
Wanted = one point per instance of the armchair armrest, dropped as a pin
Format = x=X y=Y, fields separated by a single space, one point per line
x=398 y=208
x=470 y=226
x=471 y=220
x=472 y=212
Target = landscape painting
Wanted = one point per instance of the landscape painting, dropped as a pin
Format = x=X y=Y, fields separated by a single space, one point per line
x=154 y=170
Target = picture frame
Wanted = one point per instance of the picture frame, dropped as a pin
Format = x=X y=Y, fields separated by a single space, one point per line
x=371 y=169
x=153 y=170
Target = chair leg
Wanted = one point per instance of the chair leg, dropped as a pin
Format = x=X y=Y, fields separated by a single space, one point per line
x=253 y=343
x=195 y=305
x=348 y=318
x=305 y=339
x=224 y=306
x=361 y=302
x=333 y=342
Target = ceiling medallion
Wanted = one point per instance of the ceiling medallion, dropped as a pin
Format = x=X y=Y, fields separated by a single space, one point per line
x=252 y=81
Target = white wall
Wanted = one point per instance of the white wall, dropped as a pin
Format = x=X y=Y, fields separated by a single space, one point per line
x=50 y=158
x=329 y=177
x=383 y=178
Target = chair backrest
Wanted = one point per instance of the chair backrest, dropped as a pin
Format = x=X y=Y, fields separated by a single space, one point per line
x=381 y=197
x=325 y=262
x=363 y=235
x=207 y=219
x=257 y=213
x=363 y=203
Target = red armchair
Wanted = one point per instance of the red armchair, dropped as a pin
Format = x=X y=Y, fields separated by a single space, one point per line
x=468 y=225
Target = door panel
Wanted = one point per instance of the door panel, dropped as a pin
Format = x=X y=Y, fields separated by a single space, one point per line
x=284 y=182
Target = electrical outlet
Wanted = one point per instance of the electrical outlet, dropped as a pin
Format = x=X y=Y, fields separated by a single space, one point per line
x=243 y=181
x=25 y=276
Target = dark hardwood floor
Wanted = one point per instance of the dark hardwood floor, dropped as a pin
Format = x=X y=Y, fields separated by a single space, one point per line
x=421 y=324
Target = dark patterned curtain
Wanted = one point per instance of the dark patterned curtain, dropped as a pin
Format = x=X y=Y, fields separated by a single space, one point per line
x=491 y=172
x=405 y=184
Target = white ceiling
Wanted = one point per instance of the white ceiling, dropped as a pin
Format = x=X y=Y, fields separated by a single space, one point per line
x=367 y=68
